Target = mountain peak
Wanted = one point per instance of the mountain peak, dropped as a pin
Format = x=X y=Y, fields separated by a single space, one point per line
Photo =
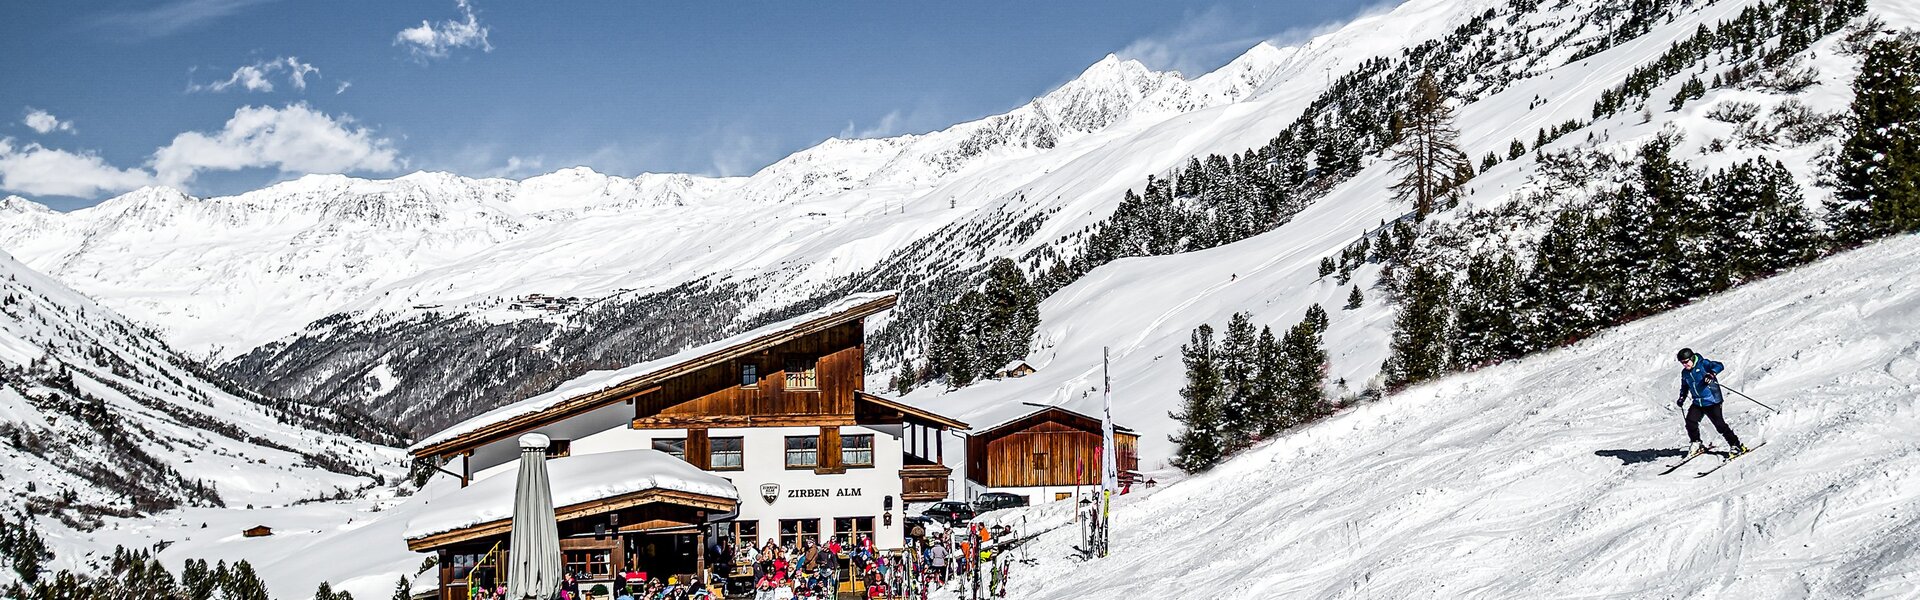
x=16 y=204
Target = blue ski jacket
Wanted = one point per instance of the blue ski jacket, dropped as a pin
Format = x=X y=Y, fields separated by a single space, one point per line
x=1693 y=382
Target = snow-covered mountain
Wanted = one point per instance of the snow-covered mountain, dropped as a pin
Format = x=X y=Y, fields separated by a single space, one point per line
x=227 y=274
x=101 y=419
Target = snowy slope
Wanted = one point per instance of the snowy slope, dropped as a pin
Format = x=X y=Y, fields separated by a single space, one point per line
x=103 y=420
x=1537 y=477
x=1144 y=309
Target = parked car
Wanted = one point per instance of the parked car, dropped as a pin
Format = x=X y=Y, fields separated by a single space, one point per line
x=997 y=500
x=951 y=512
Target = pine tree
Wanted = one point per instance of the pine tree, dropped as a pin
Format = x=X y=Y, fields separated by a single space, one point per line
x=404 y=590
x=1878 y=170
x=904 y=380
x=1354 y=299
x=1420 y=332
x=1266 y=409
x=1009 y=312
x=949 y=352
x=1761 y=220
x=1491 y=160
x=1516 y=149
x=1428 y=156
x=1303 y=385
x=1318 y=318
x=1326 y=266
x=1484 y=324
x=243 y=584
x=1237 y=378
x=197 y=581
x=1198 y=445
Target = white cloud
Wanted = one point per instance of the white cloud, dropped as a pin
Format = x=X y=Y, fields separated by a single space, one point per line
x=295 y=138
x=40 y=171
x=258 y=77
x=434 y=40
x=167 y=18
x=342 y=89
x=44 y=122
x=1198 y=44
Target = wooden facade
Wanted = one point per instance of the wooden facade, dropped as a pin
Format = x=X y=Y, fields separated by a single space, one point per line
x=1050 y=447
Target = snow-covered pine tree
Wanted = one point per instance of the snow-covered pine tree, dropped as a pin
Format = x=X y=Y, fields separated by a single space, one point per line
x=1238 y=373
x=1326 y=266
x=1428 y=156
x=1354 y=299
x=1418 y=350
x=1878 y=170
x=1485 y=330
x=1010 y=313
x=403 y=590
x=1760 y=220
x=1304 y=382
x=1197 y=445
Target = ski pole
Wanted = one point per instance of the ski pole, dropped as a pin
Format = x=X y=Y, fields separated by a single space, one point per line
x=1743 y=395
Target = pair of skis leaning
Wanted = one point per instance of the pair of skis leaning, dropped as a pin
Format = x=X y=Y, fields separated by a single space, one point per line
x=1728 y=459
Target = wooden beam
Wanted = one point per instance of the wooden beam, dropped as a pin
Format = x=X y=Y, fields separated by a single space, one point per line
x=726 y=421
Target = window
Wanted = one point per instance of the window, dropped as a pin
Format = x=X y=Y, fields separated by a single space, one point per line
x=594 y=563
x=559 y=448
x=1058 y=496
x=803 y=451
x=675 y=446
x=848 y=529
x=856 y=450
x=1039 y=461
x=792 y=531
x=800 y=373
x=726 y=454
x=749 y=374
x=746 y=533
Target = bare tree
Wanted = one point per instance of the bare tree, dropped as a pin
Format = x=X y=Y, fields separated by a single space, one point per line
x=1427 y=155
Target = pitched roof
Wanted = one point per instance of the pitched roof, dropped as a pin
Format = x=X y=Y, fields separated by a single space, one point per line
x=1039 y=411
x=582 y=486
x=600 y=388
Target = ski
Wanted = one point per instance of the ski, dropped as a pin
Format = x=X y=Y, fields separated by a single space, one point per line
x=1723 y=463
x=1683 y=462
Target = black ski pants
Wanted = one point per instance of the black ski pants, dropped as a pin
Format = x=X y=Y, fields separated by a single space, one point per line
x=1712 y=413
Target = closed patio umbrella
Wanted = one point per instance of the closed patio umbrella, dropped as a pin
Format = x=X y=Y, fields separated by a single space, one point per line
x=533 y=549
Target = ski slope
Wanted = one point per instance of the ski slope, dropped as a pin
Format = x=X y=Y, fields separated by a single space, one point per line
x=1538 y=477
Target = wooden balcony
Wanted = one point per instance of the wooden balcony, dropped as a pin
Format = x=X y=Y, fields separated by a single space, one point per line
x=924 y=483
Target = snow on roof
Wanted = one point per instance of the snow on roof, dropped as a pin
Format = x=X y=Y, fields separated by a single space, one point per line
x=594 y=381
x=574 y=479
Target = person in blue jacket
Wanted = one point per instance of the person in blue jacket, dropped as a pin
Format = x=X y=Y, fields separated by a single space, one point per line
x=1697 y=381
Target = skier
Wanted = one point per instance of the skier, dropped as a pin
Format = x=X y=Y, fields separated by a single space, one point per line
x=1697 y=381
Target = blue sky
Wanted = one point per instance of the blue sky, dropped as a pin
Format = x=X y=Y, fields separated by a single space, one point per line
x=221 y=96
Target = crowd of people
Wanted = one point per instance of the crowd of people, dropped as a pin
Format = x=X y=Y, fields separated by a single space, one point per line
x=812 y=571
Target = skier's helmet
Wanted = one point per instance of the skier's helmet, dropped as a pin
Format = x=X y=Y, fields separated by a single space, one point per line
x=1686 y=354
